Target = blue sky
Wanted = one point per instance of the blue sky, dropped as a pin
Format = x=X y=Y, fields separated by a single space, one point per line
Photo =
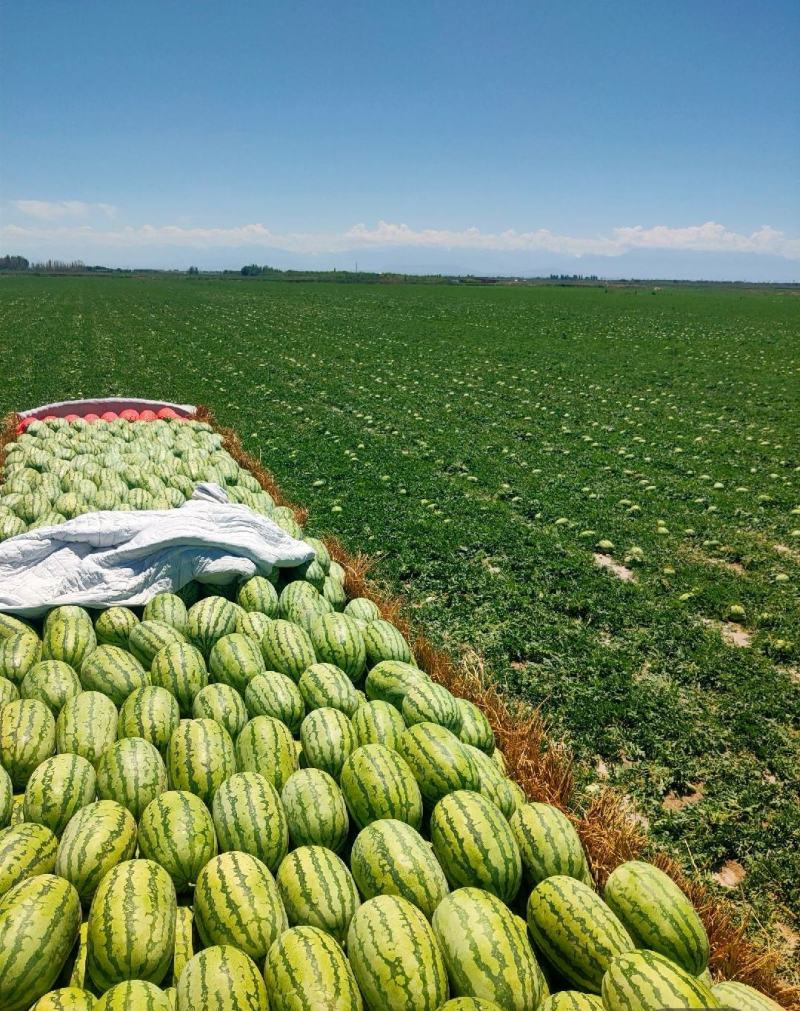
x=619 y=138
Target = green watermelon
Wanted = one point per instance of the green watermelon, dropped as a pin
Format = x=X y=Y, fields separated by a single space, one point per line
x=68 y=998
x=486 y=950
x=337 y=640
x=306 y=970
x=440 y=763
x=6 y=798
x=327 y=738
x=326 y=685
x=315 y=810
x=258 y=594
x=496 y=787
x=548 y=843
x=657 y=914
x=148 y=638
x=236 y=901
x=431 y=703
x=333 y=589
x=389 y=681
x=362 y=609
x=266 y=746
x=68 y=635
x=571 y=1000
x=742 y=997
x=287 y=648
x=58 y=788
x=181 y=670
x=39 y=923
x=9 y=625
x=275 y=694
x=27 y=737
x=86 y=725
x=184 y=941
x=114 y=672
x=395 y=956
x=26 y=850
x=389 y=857
x=18 y=654
x=222 y=703
x=208 y=620
x=131 y=771
x=9 y=692
x=200 y=757
x=475 y=845
x=51 y=682
x=235 y=660
x=131 y=931
x=643 y=980
x=253 y=624
x=151 y=713
x=97 y=838
x=321 y=553
x=318 y=890
x=469 y=1004
x=249 y=816
x=114 y=626
x=384 y=642
x=378 y=723
x=221 y=977
x=167 y=608
x=575 y=930
x=133 y=995
x=377 y=783
x=475 y=727
x=176 y=831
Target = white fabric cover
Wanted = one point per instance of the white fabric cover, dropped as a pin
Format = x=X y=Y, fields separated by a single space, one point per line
x=104 y=558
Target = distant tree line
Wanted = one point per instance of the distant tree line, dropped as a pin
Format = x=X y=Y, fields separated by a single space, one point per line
x=13 y=263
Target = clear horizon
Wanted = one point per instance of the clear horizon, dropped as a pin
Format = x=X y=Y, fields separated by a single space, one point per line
x=631 y=143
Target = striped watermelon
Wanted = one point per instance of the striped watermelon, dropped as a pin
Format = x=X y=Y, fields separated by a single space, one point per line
x=249 y=817
x=275 y=694
x=58 y=788
x=333 y=588
x=236 y=901
x=68 y=998
x=318 y=890
x=51 y=682
x=486 y=951
x=18 y=653
x=258 y=594
x=10 y=625
x=326 y=685
x=167 y=608
x=287 y=648
x=321 y=553
x=389 y=681
x=133 y=995
x=314 y=573
x=253 y=624
x=327 y=738
x=306 y=610
x=176 y=831
x=181 y=669
x=8 y=692
x=26 y=850
x=315 y=809
x=97 y=838
x=266 y=746
x=494 y=785
x=742 y=997
x=114 y=626
x=571 y=1000
x=362 y=609
x=475 y=845
x=6 y=797
x=337 y=572
x=469 y=1004
x=208 y=620
x=184 y=940
x=148 y=638
x=151 y=713
x=131 y=925
x=378 y=723
x=384 y=642
x=222 y=703
x=548 y=843
x=475 y=727
x=337 y=640
x=431 y=703
x=68 y=635
x=221 y=977
x=389 y=857
x=395 y=956
x=131 y=771
x=306 y=970
x=235 y=660
x=27 y=737
x=298 y=595
x=643 y=980
x=438 y=760
x=575 y=930
x=200 y=757
x=39 y=922
x=657 y=914
x=86 y=726
x=114 y=672
x=377 y=783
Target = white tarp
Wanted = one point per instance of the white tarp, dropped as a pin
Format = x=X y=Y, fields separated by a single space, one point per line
x=104 y=558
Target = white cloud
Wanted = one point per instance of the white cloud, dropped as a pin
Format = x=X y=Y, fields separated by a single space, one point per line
x=707 y=237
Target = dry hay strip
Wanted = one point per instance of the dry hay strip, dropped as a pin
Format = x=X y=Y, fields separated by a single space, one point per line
x=540 y=765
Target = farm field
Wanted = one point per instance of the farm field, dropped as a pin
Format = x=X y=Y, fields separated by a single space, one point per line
x=597 y=492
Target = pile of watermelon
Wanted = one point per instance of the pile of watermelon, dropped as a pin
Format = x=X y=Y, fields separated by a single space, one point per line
x=255 y=799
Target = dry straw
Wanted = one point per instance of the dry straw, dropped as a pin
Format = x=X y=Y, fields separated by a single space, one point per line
x=609 y=831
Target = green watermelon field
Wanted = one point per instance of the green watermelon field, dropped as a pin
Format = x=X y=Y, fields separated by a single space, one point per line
x=596 y=491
